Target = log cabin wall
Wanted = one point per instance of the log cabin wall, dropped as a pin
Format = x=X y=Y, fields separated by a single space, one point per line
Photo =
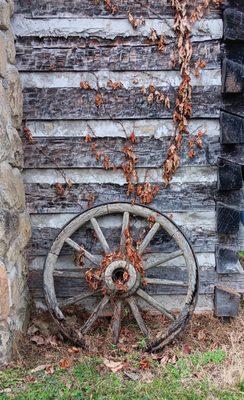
x=60 y=44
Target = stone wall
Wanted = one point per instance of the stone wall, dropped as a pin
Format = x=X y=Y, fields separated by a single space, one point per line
x=14 y=220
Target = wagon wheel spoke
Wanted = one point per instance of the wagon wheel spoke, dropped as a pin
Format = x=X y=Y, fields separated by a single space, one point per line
x=100 y=235
x=125 y=226
x=95 y=315
x=137 y=315
x=94 y=259
x=167 y=282
x=75 y=299
x=155 y=304
x=147 y=239
x=163 y=259
x=116 y=321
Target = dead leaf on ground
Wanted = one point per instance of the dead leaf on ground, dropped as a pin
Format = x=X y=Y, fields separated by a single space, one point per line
x=147 y=377
x=114 y=366
x=49 y=369
x=65 y=363
x=38 y=339
x=38 y=369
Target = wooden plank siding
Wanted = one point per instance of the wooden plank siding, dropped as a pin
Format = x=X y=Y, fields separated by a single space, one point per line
x=61 y=44
x=64 y=8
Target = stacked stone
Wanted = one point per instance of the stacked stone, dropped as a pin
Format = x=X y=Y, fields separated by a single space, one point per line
x=14 y=221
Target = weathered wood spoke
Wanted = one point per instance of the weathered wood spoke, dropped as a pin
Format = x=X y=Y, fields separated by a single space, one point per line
x=76 y=299
x=137 y=315
x=100 y=235
x=94 y=259
x=116 y=320
x=147 y=239
x=95 y=315
x=125 y=226
x=155 y=304
x=167 y=282
x=163 y=259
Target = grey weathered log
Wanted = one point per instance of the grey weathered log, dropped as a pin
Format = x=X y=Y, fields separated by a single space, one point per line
x=74 y=152
x=228 y=219
x=42 y=198
x=76 y=103
x=227 y=261
x=73 y=289
x=122 y=54
x=232 y=129
x=226 y=301
x=229 y=175
x=233 y=24
x=203 y=239
x=88 y=8
x=232 y=77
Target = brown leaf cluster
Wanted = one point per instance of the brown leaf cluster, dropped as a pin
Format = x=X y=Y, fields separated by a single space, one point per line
x=27 y=133
x=135 y=22
x=129 y=169
x=155 y=96
x=114 y=85
x=159 y=40
x=109 y=7
x=147 y=192
x=85 y=85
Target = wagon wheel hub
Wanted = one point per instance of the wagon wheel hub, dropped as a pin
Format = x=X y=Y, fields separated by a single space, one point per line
x=121 y=278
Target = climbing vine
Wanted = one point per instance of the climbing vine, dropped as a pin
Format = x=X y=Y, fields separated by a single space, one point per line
x=186 y=13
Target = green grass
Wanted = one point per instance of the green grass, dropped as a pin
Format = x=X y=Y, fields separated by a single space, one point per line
x=89 y=379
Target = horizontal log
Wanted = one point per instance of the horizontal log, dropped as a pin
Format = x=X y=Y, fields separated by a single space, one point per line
x=130 y=54
x=226 y=301
x=206 y=29
x=233 y=24
x=127 y=79
x=100 y=176
x=206 y=261
x=64 y=8
x=66 y=286
x=153 y=128
x=198 y=226
x=77 y=153
x=228 y=219
x=43 y=198
x=232 y=129
x=229 y=175
x=232 y=77
x=75 y=103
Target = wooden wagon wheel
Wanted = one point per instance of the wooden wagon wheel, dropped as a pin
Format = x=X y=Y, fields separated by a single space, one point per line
x=122 y=276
